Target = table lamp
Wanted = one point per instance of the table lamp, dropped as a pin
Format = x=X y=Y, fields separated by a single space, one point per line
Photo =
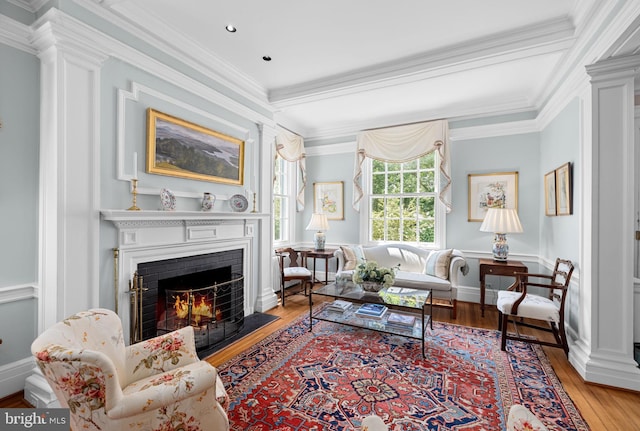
x=318 y=223
x=501 y=221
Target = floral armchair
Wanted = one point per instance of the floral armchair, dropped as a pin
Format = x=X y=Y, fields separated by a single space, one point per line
x=159 y=384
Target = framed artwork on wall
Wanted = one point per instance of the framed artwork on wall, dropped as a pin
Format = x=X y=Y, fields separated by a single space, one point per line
x=563 y=190
x=328 y=198
x=495 y=190
x=550 y=193
x=178 y=148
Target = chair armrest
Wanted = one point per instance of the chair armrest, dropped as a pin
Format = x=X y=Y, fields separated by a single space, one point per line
x=163 y=353
x=457 y=265
x=165 y=389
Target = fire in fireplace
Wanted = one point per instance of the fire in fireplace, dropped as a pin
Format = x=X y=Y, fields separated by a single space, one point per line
x=171 y=294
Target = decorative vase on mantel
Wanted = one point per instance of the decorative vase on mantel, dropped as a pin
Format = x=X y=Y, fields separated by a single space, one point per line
x=207 y=202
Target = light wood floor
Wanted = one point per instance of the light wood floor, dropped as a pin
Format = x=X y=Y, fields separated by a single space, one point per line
x=602 y=407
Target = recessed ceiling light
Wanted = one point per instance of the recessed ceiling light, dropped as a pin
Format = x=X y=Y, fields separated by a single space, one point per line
x=266 y=58
x=231 y=28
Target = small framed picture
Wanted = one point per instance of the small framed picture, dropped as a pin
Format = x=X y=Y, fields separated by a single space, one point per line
x=563 y=190
x=550 y=193
x=328 y=199
x=496 y=190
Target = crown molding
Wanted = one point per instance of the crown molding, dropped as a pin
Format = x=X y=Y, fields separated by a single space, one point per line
x=123 y=15
x=493 y=130
x=552 y=36
x=29 y=5
x=16 y=35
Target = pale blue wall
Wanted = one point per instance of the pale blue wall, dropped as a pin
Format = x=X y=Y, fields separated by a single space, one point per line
x=560 y=143
x=115 y=194
x=19 y=147
x=331 y=168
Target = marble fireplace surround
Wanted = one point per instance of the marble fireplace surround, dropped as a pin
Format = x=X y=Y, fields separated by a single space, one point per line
x=149 y=236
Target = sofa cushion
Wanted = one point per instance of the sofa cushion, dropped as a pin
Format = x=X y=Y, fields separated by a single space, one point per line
x=353 y=256
x=437 y=263
x=415 y=280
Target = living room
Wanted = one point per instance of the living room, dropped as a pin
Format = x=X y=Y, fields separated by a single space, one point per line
x=78 y=78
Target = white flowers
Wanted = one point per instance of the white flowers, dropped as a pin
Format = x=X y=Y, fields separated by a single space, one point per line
x=369 y=271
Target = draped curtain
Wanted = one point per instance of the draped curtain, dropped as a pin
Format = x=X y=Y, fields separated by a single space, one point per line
x=290 y=147
x=401 y=144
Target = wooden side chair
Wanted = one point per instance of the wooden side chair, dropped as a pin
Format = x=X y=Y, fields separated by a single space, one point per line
x=516 y=305
x=292 y=269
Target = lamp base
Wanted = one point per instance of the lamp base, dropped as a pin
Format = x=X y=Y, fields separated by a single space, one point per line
x=319 y=240
x=500 y=247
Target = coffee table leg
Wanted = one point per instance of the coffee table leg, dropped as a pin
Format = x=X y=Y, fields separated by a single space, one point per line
x=311 y=310
x=423 y=334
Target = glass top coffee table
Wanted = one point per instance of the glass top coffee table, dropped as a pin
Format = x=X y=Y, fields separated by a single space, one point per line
x=406 y=309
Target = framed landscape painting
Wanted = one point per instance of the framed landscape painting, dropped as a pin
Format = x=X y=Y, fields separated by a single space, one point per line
x=328 y=199
x=550 y=193
x=496 y=190
x=182 y=149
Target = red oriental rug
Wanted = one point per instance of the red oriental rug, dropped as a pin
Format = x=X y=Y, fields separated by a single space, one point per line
x=333 y=377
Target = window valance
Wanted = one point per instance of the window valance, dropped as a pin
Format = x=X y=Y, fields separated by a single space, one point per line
x=401 y=144
x=290 y=147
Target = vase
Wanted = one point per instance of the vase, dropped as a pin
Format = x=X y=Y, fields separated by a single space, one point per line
x=207 y=201
x=371 y=286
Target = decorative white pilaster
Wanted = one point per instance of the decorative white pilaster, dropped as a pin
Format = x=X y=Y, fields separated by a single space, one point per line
x=266 y=298
x=609 y=356
x=69 y=174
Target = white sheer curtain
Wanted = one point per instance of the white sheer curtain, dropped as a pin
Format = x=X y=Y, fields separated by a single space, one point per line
x=290 y=147
x=401 y=144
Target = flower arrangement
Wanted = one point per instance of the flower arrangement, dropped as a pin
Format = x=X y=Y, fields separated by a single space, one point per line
x=370 y=271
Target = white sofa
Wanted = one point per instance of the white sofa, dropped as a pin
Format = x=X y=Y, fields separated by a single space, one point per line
x=413 y=271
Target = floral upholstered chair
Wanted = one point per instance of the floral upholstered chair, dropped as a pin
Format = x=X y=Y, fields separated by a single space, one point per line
x=158 y=384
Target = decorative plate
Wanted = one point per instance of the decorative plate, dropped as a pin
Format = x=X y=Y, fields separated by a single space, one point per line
x=238 y=203
x=168 y=200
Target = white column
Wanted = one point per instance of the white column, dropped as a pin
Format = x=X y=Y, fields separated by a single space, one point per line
x=609 y=359
x=266 y=297
x=69 y=175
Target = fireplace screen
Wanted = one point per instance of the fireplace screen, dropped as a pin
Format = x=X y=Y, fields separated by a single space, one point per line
x=215 y=312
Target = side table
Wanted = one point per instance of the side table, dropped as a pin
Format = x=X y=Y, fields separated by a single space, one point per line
x=318 y=254
x=495 y=267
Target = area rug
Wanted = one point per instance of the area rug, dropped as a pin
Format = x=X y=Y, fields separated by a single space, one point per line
x=333 y=377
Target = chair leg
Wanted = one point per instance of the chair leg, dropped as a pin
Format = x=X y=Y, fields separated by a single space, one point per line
x=454 y=309
x=282 y=292
x=563 y=336
x=505 y=323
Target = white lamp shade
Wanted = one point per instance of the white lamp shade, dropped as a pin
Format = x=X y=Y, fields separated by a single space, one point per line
x=501 y=220
x=318 y=222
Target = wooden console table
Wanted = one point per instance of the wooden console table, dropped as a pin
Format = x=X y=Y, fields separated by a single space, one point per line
x=495 y=267
x=318 y=254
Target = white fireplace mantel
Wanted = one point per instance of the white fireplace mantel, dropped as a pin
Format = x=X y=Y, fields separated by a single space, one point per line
x=147 y=236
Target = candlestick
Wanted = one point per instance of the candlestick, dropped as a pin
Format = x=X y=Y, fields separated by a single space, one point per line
x=134 y=191
x=135 y=166
x=254 y=203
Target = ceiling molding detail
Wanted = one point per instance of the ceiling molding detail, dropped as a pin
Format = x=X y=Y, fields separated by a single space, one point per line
x=545 y=38
x=16 y=35
x=178 y=46
x=29 y=5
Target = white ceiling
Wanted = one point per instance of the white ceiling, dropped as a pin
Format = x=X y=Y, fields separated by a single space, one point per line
x=342 y=66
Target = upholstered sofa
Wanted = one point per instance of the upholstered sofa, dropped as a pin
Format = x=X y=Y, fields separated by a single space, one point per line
x=436 y=270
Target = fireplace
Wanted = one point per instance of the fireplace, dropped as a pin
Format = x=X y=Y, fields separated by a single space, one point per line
x=203 y=291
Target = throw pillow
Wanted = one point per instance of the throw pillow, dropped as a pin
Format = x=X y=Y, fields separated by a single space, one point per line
x=352 y=257
x=438 y=263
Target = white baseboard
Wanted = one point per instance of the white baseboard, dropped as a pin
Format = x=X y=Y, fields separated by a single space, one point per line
x=13 y=376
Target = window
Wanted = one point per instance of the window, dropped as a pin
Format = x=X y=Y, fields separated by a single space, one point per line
x=281 y=200
x=403 y=202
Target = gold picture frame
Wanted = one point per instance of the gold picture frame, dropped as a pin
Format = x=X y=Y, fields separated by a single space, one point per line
x=328 y=198
x=564 y=204
x=494 y=190
x=550 y=193
x=182 y=149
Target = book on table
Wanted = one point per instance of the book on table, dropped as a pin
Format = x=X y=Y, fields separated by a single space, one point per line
x=376 y=311
x=340 y=305
x=404 y=320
